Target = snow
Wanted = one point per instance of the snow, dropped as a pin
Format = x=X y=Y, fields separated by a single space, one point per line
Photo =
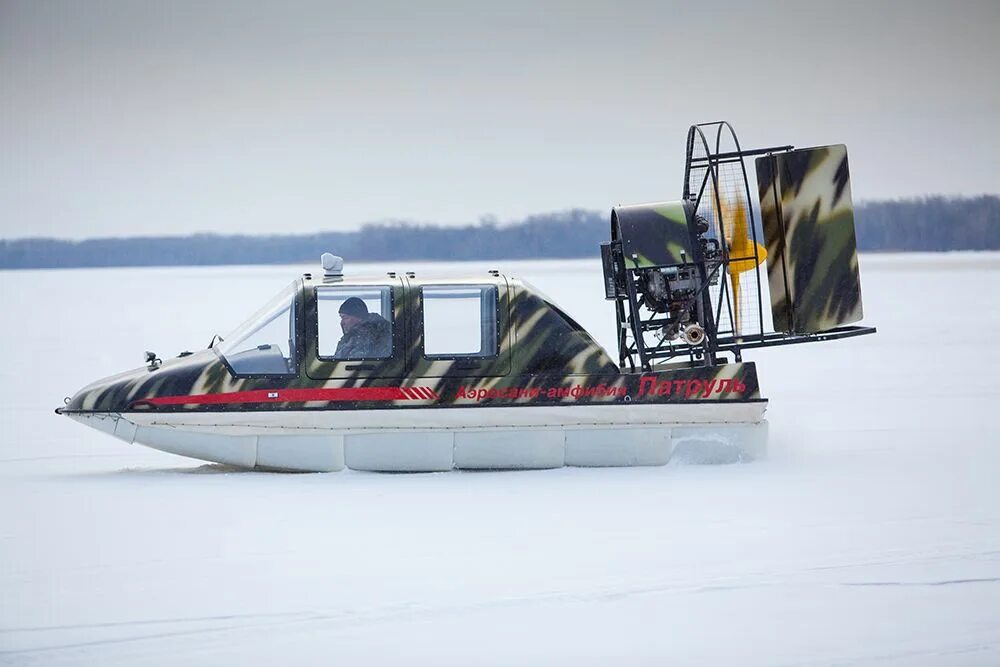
x=871 y=535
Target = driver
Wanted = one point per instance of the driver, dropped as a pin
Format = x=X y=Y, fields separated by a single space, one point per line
x=366 y=335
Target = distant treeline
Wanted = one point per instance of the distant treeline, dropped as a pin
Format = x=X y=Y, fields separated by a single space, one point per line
x=929 y=224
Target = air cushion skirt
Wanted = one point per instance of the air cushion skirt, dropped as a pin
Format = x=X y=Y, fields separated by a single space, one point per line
x=432 y=440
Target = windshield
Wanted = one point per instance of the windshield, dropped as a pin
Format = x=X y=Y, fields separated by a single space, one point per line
x=265 y=343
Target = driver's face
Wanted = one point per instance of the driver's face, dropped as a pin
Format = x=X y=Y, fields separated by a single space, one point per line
x=348 y=322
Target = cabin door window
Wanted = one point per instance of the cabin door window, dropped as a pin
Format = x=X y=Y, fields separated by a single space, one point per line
x=354 y=332
x=354 y=323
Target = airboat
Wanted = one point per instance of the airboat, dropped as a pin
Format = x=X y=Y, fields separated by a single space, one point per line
x=486 y=372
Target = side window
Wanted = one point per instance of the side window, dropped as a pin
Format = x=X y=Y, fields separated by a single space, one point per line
x=354 y=322
x=460 y=321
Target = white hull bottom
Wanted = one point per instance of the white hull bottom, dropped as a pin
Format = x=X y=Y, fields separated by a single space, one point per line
x=440 y=439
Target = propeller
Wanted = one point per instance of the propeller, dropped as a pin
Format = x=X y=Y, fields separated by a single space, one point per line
x=741 y=249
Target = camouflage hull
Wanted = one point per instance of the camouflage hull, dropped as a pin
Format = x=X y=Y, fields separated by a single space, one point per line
x=524 y=422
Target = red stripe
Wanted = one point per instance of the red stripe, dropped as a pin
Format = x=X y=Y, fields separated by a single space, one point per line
x=285 y=396
x=423 y=393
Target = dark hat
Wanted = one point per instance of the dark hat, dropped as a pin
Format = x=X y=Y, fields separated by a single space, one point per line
x=354 y=306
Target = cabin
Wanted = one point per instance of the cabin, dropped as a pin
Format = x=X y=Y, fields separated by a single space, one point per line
x=479 y=327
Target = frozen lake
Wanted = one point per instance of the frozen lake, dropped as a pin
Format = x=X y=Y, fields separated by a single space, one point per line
x=871 y=535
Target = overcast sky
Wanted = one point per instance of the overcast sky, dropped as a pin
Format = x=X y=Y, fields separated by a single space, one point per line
x=135 y=118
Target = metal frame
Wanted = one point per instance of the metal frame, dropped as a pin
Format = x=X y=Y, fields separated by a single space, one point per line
x=707 y=150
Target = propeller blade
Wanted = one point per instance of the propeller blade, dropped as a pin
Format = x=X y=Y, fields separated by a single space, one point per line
x=742 y=255
x=741 y=246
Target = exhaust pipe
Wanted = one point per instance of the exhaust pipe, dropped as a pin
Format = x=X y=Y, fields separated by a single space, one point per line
x=693 y=334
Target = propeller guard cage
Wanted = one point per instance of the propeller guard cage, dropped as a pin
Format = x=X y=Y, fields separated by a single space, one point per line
x=685 y=276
